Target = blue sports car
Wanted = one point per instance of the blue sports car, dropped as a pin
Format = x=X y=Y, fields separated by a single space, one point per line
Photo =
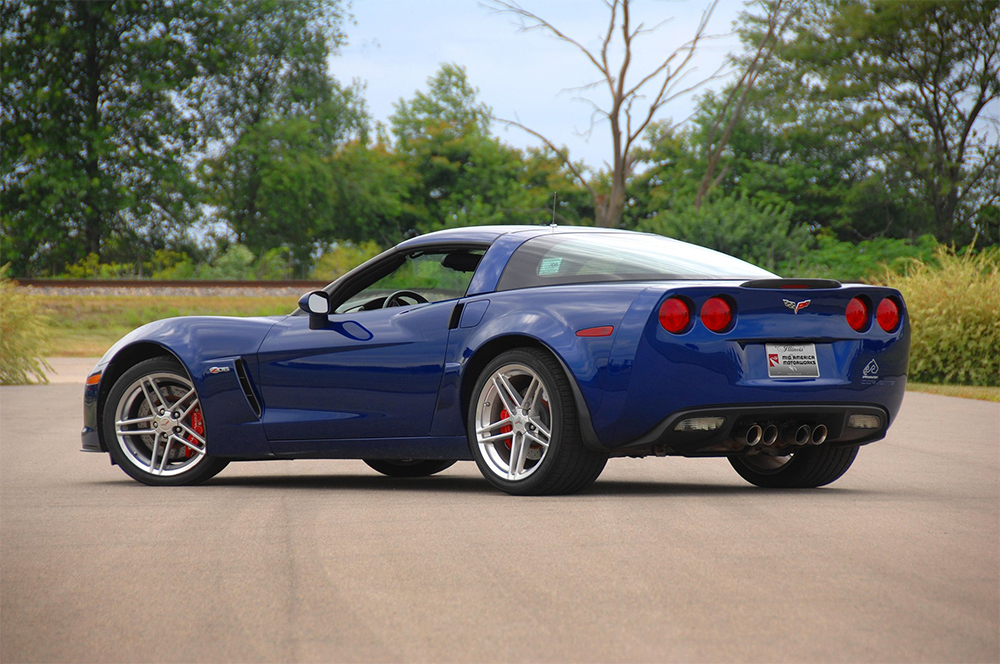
x=538 y=352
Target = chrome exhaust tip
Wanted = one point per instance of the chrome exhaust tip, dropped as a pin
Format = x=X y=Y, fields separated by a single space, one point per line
x=770 y=435
x=819 y=434
x=752 y=435
x=803 y=435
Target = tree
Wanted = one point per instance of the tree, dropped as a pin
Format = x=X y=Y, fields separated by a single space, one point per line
x=457 y=173
x=777 y=15
x=277 y=119
x=630 y=106
x=912 y=80
x=93 y=145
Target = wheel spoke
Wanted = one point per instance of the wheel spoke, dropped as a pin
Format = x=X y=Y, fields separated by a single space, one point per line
x=518 y=454
x=504 y=397
x=152 y=455
x=166 y=454
x=136 y=420
x=531 y=395
x=536 y=439
x=149 y=398
x=187 y=444
x=512 y=395
x=542 y=430
x=159 y=395
x=496 y=437
x=192 y=433
x=136 y=432
x=490 y=427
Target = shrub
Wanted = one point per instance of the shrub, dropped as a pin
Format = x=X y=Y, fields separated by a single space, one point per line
x=864 y=261
x=23 y=334
x=758 y=233
x=954 y=310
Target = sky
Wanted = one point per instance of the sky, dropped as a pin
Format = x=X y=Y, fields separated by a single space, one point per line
x=394 y=46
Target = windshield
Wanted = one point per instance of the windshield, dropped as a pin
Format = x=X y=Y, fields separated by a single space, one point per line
x=580 y=258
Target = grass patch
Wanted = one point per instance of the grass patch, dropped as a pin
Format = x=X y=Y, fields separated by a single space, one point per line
x=963 y=391
x=86 y=326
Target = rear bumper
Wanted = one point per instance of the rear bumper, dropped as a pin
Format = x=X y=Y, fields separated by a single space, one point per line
x=666 y=438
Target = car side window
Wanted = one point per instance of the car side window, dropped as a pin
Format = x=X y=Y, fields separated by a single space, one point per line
x=432 y=276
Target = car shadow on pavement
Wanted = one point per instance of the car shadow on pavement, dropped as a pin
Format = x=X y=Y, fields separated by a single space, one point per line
x=463 y=484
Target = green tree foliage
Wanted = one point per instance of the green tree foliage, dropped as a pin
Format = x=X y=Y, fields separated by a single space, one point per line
x=870 y=116
x=93 y=143
x=278 y=119
x=459 y=174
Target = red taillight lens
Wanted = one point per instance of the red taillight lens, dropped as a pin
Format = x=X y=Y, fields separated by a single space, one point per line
x=675 y=315
x=716 y=314
x=887 y=315
x=857 y=314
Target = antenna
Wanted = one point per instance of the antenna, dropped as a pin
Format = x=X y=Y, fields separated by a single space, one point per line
x=554 y=210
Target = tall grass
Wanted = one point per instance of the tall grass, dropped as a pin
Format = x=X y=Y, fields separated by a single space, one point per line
x=23 y=334
x=954 y=310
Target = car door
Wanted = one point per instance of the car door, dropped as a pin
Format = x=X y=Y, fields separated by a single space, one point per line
x=374 y=368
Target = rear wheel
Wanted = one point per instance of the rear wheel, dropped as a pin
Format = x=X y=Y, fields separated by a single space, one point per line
x=802 y=469
x=154 y=426
x=408 y=467
x=524 y=427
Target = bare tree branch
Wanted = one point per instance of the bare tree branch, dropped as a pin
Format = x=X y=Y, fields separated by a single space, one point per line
x=627 y=109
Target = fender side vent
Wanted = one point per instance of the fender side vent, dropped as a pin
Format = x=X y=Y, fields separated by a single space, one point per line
x=241 y=373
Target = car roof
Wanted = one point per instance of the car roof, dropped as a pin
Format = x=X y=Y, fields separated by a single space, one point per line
x=489 y=234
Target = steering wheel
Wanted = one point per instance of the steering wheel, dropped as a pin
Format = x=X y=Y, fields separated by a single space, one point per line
x=394 y=299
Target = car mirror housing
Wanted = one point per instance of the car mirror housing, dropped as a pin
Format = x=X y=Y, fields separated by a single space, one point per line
x=317 y=305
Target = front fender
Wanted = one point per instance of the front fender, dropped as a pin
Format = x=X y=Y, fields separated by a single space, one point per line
x=200 y=343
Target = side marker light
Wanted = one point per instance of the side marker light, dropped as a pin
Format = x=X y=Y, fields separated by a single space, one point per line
x=602 y=331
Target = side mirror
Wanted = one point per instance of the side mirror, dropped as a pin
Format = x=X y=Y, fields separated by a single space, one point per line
x=317 y=305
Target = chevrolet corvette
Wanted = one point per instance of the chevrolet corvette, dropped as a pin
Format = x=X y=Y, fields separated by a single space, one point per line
x=538 y=352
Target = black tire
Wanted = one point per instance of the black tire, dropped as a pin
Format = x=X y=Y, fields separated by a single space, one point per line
x=409 y=467
x=563 y=466
x=177 y=447
x=807 y=468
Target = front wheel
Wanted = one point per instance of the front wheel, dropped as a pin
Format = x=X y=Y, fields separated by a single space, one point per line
x=154 y=426
x=524 y=428
x=408 y=467
x=802 y=469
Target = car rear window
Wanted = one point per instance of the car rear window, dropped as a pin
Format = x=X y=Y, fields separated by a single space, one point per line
x=581 y=258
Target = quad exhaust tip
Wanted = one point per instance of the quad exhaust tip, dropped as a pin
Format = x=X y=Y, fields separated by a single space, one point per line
x=818 y=435
x=770 y=435
x=753 y=435
x=803 y=435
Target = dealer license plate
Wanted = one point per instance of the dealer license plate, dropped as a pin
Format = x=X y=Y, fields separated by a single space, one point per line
x=792 y=361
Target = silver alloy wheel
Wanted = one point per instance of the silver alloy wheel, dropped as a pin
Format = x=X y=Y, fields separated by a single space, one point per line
x=513 y=422
x=159 y=426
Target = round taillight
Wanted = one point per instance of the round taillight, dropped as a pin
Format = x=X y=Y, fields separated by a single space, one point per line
x=887 y=315
x=857 y=314
x=716 y=314
x=675 y=315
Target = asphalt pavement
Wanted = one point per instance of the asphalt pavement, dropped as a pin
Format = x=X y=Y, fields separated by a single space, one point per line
x=661 y=560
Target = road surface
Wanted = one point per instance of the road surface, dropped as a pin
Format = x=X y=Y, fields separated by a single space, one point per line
x=661 y=560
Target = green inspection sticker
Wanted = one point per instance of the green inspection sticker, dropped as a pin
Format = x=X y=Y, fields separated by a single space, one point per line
x=549 y=266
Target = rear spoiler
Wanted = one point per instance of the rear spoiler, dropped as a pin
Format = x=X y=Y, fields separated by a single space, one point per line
x=791 y=283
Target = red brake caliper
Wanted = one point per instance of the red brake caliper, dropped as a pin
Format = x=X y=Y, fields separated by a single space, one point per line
x=506 y=428
x=198 y=426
